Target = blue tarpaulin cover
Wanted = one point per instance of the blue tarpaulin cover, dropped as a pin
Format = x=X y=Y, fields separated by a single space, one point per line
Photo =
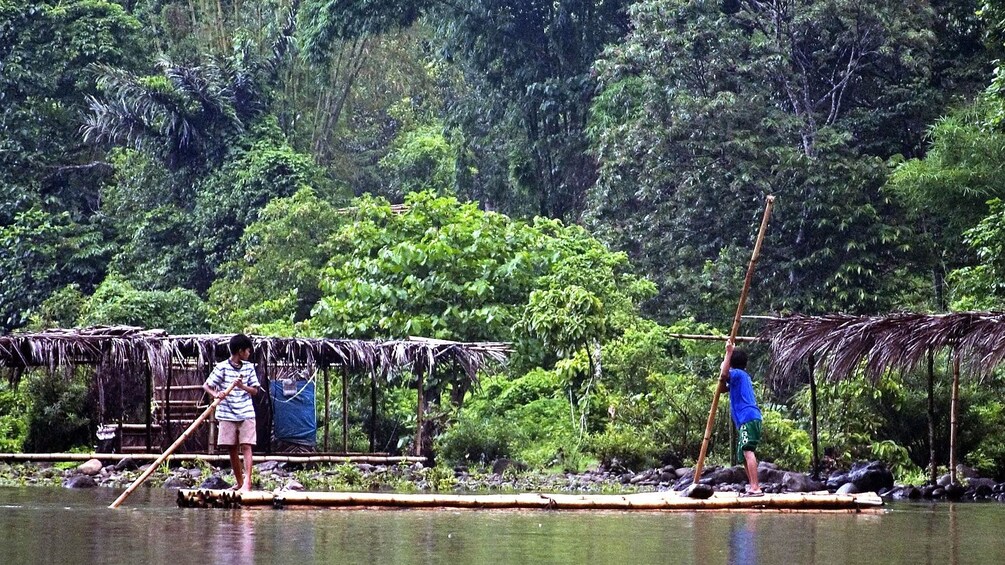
x=294 y=416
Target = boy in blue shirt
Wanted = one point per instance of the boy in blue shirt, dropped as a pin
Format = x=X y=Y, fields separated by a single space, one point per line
x=743 y=408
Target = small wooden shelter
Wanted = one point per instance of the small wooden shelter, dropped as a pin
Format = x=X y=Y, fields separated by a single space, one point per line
x=136 y=369
x=839 y=344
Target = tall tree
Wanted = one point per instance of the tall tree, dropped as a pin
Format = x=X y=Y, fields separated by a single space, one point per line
x=708 y=106
x=527 y=64
x=49 y=179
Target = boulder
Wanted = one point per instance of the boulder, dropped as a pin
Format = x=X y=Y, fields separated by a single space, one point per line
x=964 y=472
x=499 y=466
x=215 y=483
x=293 y=484
x=728 y=476
x=799 y=482
x=955 y=491
x=848 y=488
x=909 y=492
x=80 y=481
x=90 y=467
x=266 y=466
x=768 y=473
x=176 y=483
x=126 y=464
x=867 y=475
x=981 y=488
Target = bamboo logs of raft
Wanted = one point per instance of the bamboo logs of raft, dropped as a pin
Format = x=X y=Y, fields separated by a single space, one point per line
x=790 y=502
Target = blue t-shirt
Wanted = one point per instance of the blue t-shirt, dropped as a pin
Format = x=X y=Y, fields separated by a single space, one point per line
x=742 y=405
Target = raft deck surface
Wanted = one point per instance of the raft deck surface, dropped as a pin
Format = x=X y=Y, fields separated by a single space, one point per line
x=790 y=502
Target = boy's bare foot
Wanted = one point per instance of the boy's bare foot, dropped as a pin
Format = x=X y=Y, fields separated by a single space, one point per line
x=244 y=489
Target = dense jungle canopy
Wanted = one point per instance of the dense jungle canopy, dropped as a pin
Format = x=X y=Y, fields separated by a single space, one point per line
x=581 y=178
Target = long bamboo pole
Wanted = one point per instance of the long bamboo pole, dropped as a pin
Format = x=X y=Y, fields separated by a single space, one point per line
x=954 y=410
x=153 y=466
x=814 y=437
x=732 y=335
x=932 y=471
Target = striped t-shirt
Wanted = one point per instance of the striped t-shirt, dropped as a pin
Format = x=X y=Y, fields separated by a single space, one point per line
x=237 y=406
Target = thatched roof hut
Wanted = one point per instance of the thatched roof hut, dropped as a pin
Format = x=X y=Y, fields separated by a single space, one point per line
x=839 y=345
x=129 y=359
x=128 y=347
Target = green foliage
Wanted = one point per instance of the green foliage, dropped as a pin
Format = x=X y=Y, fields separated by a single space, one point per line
x=686 y=157
x=232 y=197
x=421 y=157
x=116 y=301
x=981 y=444
x=564 y=319
x=523 y=114
x=624 y=445
x=277 y=281
x=13 y=422
x=41 y=252
x=46 y=52
x=61 y=310
x=982 y=285
x=785 y=443
x=59 y=413
x=526 y=418
x=188 y=115
x=896 y=458
x=849 y=414
x=477 y=440
x=448 y=270
x=441 y=269
x=327 y=21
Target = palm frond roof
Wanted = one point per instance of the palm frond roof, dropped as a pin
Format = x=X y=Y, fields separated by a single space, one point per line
x=124 y=348
x=842 y=343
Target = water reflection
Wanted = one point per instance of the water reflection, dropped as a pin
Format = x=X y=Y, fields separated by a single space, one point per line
x=743 y=541
x=54 y=526
x=234 y=537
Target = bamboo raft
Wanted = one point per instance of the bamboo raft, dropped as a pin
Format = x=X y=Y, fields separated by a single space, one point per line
x=722 y=501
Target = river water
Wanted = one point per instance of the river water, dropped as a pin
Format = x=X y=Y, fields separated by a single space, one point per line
x=54 y=526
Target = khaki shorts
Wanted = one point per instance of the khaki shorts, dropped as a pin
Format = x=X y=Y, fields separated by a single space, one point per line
x=235 y=433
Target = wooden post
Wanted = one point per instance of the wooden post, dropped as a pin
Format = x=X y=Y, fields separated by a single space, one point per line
x=327 y=409
x=153 y=466
x=146 y=409
x=953 y=415
x=813 y=418
x=345 y=411
x=373 y=413
x=932 y=470
x=732 y=336
x=122 y=411
x=418 y=414
x=167 y=403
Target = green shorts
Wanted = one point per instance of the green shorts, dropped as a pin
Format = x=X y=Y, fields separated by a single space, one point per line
x=750 y=436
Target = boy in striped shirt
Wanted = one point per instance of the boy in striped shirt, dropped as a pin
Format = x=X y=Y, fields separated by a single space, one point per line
x=236 y=413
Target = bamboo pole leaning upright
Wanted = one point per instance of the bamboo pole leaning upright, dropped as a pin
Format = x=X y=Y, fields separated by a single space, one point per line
x=153 y=466
x=732 y=336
